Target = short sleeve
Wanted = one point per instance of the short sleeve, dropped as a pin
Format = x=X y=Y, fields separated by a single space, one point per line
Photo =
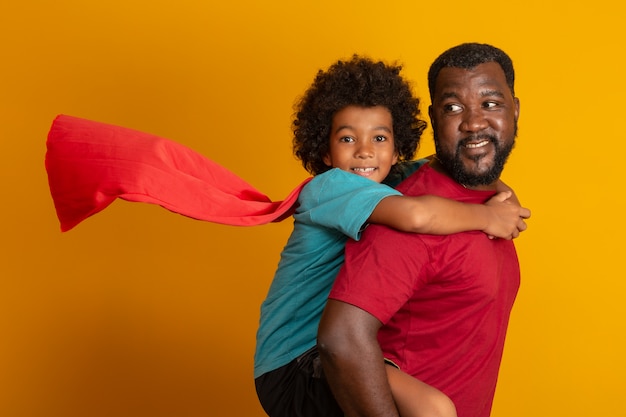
x=373 y=276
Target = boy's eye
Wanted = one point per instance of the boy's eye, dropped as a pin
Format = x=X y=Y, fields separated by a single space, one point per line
x=380 y=138
x=346 y=139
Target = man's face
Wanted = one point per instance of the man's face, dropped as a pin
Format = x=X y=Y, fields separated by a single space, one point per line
x=474 y=118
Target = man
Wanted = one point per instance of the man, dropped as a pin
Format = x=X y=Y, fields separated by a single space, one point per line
x=437 y=307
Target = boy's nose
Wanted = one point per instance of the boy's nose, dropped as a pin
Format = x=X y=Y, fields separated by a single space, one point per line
x=365 y=150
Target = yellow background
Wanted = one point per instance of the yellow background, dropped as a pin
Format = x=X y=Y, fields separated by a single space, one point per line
x=141 y=312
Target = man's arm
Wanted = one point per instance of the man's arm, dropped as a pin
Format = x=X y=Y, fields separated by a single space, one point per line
x=353 y=362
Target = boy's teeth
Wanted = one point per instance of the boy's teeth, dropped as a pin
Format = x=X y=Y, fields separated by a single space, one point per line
x=363 y=169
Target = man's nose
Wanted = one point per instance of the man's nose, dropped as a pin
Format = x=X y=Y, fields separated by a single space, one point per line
x=474 y=120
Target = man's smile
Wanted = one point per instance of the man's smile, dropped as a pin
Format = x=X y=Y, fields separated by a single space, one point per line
x=477 y=144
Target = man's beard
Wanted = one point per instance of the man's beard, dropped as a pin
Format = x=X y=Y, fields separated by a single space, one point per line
x=455 y=168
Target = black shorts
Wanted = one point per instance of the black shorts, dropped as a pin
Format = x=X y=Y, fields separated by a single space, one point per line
x=298 y=389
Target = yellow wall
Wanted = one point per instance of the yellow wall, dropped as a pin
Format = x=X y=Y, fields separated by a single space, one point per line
x=140 y=312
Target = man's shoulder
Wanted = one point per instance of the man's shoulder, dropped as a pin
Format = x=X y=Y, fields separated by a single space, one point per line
x=418 y=182
x=428 y=181
x=403 y=170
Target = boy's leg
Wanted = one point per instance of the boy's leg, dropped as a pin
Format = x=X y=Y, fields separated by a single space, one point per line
x=298 y=389
x=414 y=398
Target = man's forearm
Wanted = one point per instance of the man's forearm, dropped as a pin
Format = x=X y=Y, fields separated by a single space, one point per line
x=353 y=362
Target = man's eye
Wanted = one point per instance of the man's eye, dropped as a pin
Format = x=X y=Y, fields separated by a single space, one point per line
x=490 y=104
x=451 y=108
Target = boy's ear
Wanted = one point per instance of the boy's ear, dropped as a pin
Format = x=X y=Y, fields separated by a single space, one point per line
x=395 y=158
x=327 y=160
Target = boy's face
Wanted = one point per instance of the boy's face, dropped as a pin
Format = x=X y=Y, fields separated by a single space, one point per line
x=361 y=142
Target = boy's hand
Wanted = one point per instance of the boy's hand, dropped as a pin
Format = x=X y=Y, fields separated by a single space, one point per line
x=507 y=217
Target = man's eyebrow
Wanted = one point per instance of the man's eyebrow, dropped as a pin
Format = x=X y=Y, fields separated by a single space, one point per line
x=491 y=93
x=449 y=94
x=485 y=93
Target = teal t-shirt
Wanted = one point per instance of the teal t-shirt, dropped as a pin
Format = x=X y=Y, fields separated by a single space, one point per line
x=333 y=206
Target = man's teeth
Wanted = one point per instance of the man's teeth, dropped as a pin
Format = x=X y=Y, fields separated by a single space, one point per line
x=363 y=169
x=477 y=145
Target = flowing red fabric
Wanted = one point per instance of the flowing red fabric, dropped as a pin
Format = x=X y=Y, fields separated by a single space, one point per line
x=90 y=164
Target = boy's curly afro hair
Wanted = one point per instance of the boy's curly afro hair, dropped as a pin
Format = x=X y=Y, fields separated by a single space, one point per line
x=358 y=82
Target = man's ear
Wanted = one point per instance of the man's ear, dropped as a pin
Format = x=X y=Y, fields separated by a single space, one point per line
x=430 y=115
x=516 y=107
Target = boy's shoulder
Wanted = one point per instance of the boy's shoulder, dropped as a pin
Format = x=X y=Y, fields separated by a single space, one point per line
x=336 y=183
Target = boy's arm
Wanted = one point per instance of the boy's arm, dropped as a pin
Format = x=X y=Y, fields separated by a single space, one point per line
x=431 y=214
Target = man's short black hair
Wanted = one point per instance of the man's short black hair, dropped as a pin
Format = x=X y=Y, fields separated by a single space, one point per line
x=468 y=56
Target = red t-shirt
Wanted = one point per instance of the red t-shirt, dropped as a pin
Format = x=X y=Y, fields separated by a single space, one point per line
x=444 y=300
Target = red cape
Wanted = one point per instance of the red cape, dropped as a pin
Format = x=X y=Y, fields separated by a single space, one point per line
x=90 y=164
